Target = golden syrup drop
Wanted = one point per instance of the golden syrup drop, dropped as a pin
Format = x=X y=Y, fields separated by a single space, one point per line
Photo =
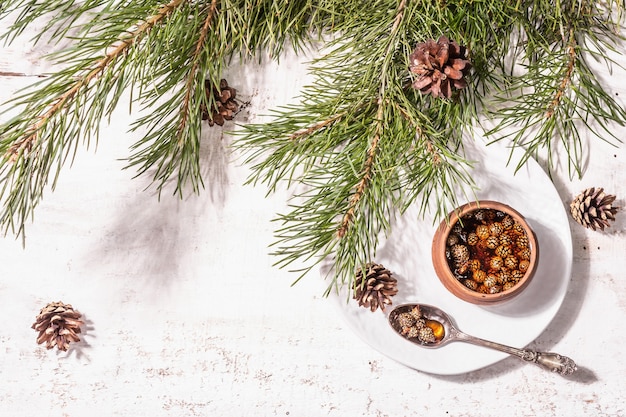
x=437 y=328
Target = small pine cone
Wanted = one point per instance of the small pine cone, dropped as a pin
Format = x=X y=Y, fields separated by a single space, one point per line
x=495 y=229
x=482 y=231
x=492 y=242
x=460 y=254
x=516 y=275
x=593 y=208
x=479 y=276
x=426 y=335
x=472 y=239
x=471 y=284
x=495 y=289
x=510 y=262
x=225 y=104
x=506 y=239
x=58 y=324
x=411 y=332
x=524 y=254
x=416 y=313
x=490 y=280
x=440 y=66
x=507 y=222
x=406 y=320
x=523 y=265
x=483 y=289
x=376 y=288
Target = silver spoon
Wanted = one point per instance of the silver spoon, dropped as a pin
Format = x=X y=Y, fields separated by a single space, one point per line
x=548 y=360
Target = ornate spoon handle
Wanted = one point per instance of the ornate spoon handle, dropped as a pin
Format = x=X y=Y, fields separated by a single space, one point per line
x=551 y=361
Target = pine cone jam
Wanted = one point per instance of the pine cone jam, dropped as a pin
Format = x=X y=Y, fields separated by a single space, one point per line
x=485 y=252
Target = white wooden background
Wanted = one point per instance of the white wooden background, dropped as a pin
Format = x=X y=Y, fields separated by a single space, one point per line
x=185 y=315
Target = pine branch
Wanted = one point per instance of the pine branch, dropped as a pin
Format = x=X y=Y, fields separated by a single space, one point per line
x=57 y=117
x=371 y=152
x=567 y=77
x=359 y=148
x=558 y=95
x=356 y=163
x=172 y=144
x=25 y=143
x=160 y=53
x=195 y=67
x=368 y=167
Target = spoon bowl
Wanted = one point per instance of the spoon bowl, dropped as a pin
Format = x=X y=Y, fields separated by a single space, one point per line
x=553 y=362
x=430 y=312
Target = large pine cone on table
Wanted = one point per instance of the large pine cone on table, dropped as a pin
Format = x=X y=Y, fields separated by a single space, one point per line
x=593 y=208
x=58 y=325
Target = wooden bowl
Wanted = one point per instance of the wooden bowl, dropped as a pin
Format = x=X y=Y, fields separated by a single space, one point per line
x=453 y=271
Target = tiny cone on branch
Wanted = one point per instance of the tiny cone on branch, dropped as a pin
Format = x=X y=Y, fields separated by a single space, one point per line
x=593 y=208
x=375 y=287
x=441 y=67
x=58 y=325
x=225 y=101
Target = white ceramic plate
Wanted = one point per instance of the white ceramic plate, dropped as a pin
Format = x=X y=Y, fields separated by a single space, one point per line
x=407 y=254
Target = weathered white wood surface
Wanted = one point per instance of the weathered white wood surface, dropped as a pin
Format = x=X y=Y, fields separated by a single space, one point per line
x=187 y=317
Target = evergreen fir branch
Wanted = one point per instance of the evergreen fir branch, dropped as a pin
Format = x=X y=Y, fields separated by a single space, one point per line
x=558 y=94
x=25 y=143
x=172 y=144
x=368 y=165
x=63 y=112
x=355 y=161
x=200 y=46
x=161 y=53
x=566 y=79
x=359 y=148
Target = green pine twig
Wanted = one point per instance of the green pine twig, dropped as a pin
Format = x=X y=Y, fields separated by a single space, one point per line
x=544 y=109
x=37 y=143
x=159 y=54
x=359 y=148
x=355 y=163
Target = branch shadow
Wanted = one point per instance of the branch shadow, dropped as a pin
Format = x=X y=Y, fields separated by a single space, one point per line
x=214 y=160
x=152 y=230
x=146 y=234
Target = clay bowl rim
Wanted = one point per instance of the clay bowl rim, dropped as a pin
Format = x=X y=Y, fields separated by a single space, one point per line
x=444 y=273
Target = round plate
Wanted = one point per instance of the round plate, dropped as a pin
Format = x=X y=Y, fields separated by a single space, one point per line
x=407 y=254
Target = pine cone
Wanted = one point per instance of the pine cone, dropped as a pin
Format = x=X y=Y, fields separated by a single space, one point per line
x=593 y=208
x=440 y=66
x=376 y=288
x=58 y=324
x=225 y=101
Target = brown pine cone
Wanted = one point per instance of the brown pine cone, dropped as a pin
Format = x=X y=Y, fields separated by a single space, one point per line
x=440 y=66
x=58 y=324
x=593 y=208
x=226 y=105
x=376 y=288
